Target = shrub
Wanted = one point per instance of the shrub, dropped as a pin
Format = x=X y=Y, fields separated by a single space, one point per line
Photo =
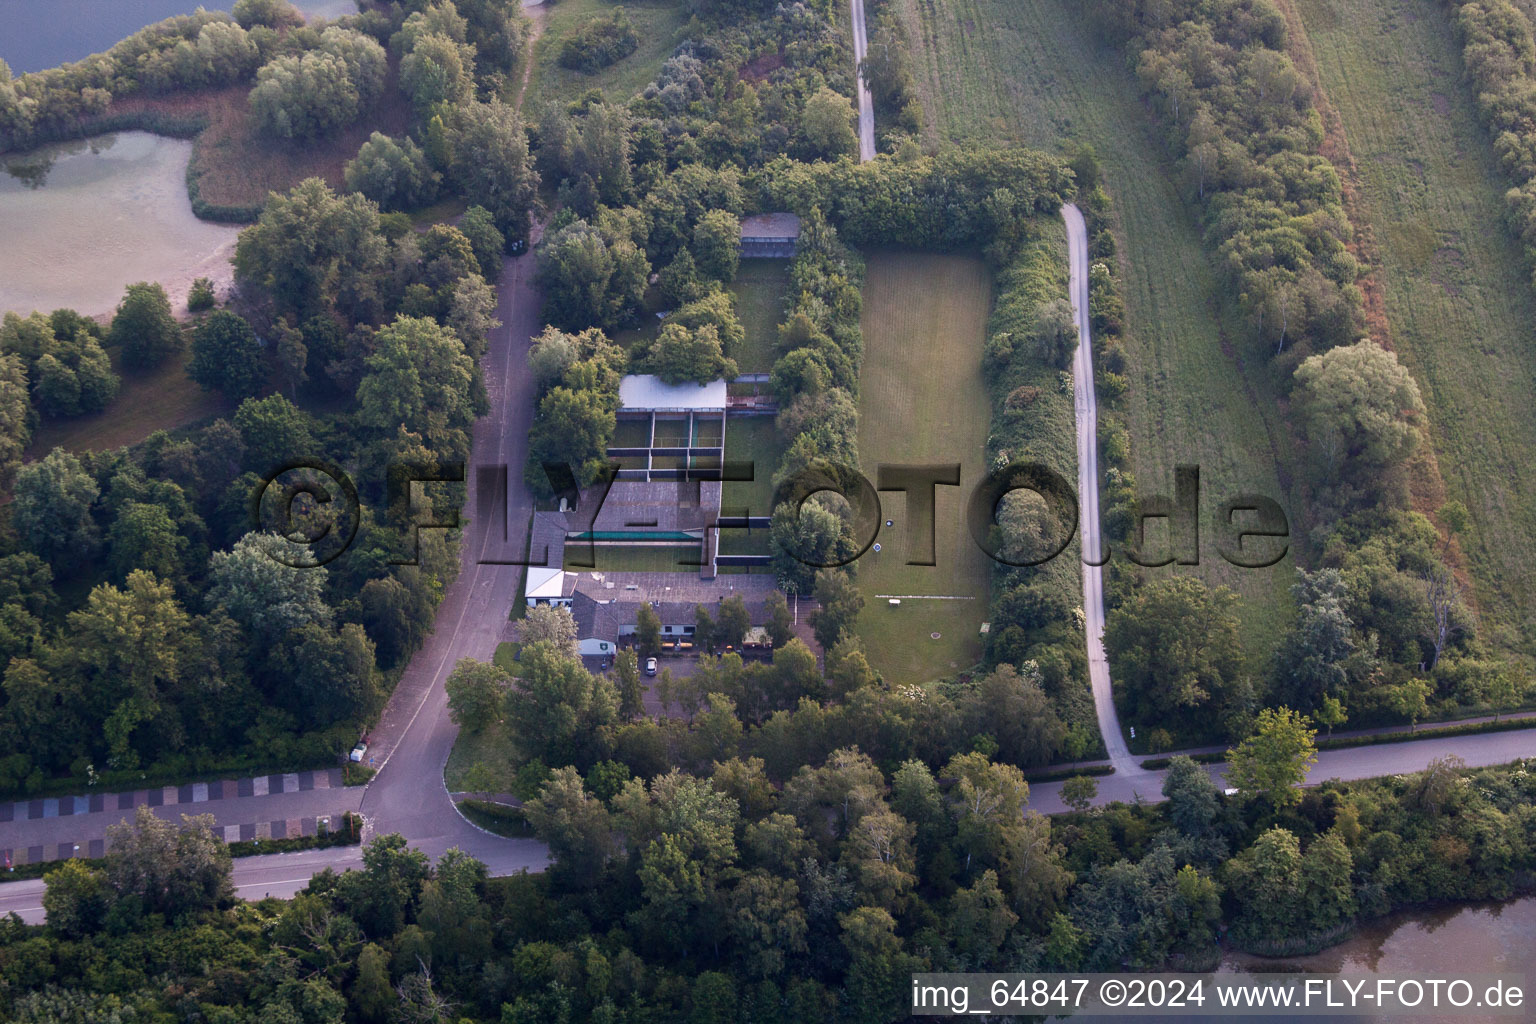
x=202 y=295
x=1021 y=398
x=299 y=97
x=599 y=43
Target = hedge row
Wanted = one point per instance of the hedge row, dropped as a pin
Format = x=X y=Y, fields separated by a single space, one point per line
x=1240 y=117
x=1499 y=55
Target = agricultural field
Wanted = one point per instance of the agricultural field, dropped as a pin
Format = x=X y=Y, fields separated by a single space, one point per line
x=1459 y=304
x=658 y=23
x=922 y=399
x=995 y=71
x=760 y=288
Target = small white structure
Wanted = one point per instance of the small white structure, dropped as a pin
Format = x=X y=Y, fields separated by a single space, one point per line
x=645 y=392
x=553 y=587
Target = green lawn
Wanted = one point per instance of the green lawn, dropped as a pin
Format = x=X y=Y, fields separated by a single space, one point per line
x=491 y=747
x=755 y=440
x=634 y=558
x=659 y=24
x=922 y=399
x=760 y=289
x=1458 y=301
x=994 y=71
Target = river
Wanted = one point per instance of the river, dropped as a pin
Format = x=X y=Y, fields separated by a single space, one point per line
x=42 y=33
x=79 y=221
x=1445 y=942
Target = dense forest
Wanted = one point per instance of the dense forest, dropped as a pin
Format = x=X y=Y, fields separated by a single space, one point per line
x=151 y=629
x=718 y=898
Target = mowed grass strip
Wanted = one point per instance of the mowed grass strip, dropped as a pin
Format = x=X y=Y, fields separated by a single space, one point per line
x=1459 y=303
x=658 y=23
x=760 y=289
x=632 y=558
x=753 y=440
x=997 y=71
x=923 y=400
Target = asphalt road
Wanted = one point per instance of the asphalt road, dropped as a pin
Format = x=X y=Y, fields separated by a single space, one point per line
x=408 y=794
x=866 y=103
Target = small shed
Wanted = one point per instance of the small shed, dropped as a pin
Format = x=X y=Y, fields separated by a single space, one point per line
x=772 y=235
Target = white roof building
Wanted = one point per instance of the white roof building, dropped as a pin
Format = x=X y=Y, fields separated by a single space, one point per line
x=545 y=585
x=646 y=392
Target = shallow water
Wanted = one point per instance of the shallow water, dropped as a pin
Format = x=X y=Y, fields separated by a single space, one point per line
x=42 y=33
x=1446 y=942
x=80 y=221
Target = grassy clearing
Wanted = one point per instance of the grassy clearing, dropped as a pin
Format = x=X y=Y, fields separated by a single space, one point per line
x=506 y=654
x=995 y=71
x=751 y=439
x=923 y=400
x=658 y=23
x=760 y=289
x=160 y=399
x=492 y=747
x=1459 y=304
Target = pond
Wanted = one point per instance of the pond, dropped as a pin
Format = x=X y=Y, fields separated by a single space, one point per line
x=43 y=33
x=79 y=221
x=1444 y=942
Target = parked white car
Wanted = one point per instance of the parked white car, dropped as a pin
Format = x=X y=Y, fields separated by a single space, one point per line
x=650 y=666
x=358 y=752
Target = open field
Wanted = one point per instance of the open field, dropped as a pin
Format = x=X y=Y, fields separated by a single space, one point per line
x=658 y=23
x=760 y=288
x=923 y=400
x=160 y=399
x=1458 y=301
x=998 y=71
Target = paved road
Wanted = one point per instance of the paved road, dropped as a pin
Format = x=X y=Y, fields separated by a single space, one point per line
x=1087 y=406
x=1347 y=765
x=866 y=102
x=408 y=794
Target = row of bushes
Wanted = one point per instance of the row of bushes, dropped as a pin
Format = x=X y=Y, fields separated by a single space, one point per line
x=887 y=71
x=1031 y=336
x=960 y=199
x=1499 y=54
x=1375 y=739
x=1241 y=119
